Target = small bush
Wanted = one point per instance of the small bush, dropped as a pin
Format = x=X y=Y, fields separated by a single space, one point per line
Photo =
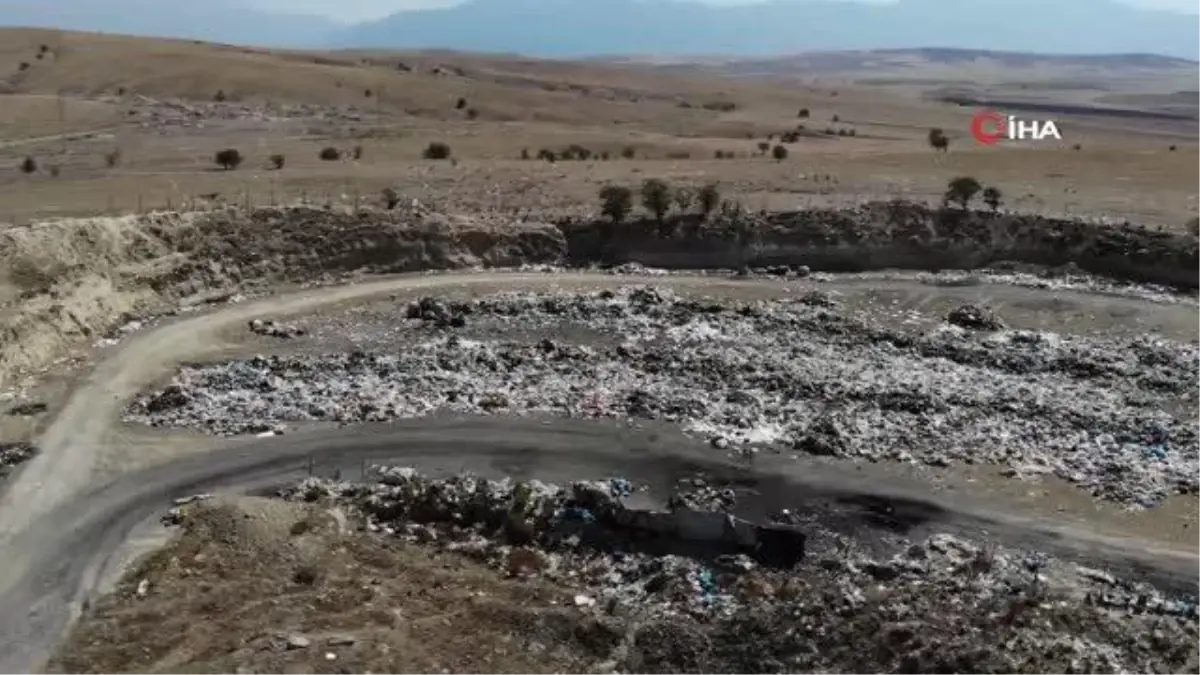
x=229 y=159
x=721 y=106
x=219 y=97
x=679 y=154
x=462 y=103
x=1172 y=148
x=604 y=156
x=718 y=154
x=436 y=150
x=357 y=152
x=616 y=202
x=780 y=153
x=524 y=153
x=629 y=152
x=547 y=155
x=763 y=147
x=112 y=159
x=330 y=154
x=277 y=161
x=803 y=114
x=390 y=198
x=120 y=91
x=709 y=197
x=992 y=197
x=938 y=140
x=1077 y=147
x=23 y=66
x=835 y=119
x=367 y=93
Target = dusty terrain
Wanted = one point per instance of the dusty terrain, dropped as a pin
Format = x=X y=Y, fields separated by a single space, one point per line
x=154 y=102
x=130 y=337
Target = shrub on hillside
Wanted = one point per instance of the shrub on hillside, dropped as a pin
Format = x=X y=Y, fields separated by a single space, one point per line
x=112 y=159
x=436 y=150
x=277 y=161
x=390 y=198
x=629 y=152
x=330 y=154
x=780 y=153
x=938 y=140
x=229 y=159
x=803 y=114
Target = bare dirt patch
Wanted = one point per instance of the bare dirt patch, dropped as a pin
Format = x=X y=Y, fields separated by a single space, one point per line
x=285 y=586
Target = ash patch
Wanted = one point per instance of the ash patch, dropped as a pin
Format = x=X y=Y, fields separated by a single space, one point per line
x=1114 y=416
x=942 y=604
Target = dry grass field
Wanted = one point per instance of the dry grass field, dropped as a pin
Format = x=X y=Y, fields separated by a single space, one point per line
x=71 y=100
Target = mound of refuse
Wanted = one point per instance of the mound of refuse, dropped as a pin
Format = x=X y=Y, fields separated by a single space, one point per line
x=796 y=376
x=941 y=604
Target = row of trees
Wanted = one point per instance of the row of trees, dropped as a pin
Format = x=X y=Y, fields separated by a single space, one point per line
x=658 y=198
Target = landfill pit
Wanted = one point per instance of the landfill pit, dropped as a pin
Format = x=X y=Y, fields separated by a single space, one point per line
x=1113 y=415
x=940 y=603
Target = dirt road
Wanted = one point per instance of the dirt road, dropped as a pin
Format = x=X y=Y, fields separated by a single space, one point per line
x=58 y=530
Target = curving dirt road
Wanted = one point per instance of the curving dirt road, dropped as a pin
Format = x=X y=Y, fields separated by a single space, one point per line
x=58 y=531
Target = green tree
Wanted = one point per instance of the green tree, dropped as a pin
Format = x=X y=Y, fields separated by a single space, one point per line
x=656 y=198
x=684 y=197
x=992 y=197
x=961 y=191
x=229 y=159
x=709 y=197
x=616 y=201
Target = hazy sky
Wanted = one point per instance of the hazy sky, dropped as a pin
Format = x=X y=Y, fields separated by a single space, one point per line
x=358 y=10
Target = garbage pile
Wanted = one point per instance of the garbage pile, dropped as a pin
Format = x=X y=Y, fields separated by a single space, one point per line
x=13 y=454
x=974 y=318
x=799 y=376
x=942 y=604
x=269 y=328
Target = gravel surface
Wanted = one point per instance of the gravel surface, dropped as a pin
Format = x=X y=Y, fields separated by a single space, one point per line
x=942 y=604
x=1116 y=416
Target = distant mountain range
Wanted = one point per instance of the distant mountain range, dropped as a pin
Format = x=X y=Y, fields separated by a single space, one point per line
x=577 y=28
x=227 y=21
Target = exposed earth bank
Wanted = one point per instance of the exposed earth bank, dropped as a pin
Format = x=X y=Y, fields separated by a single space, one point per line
x=70 y=282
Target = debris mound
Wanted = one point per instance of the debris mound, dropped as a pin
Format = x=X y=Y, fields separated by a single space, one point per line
x=974 y=317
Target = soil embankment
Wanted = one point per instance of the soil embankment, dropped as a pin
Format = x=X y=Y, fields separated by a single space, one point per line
x=67 y=283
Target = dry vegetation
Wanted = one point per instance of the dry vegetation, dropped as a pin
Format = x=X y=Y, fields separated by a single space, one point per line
x=94 y=125
x=325 y=598
x=169 y=107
